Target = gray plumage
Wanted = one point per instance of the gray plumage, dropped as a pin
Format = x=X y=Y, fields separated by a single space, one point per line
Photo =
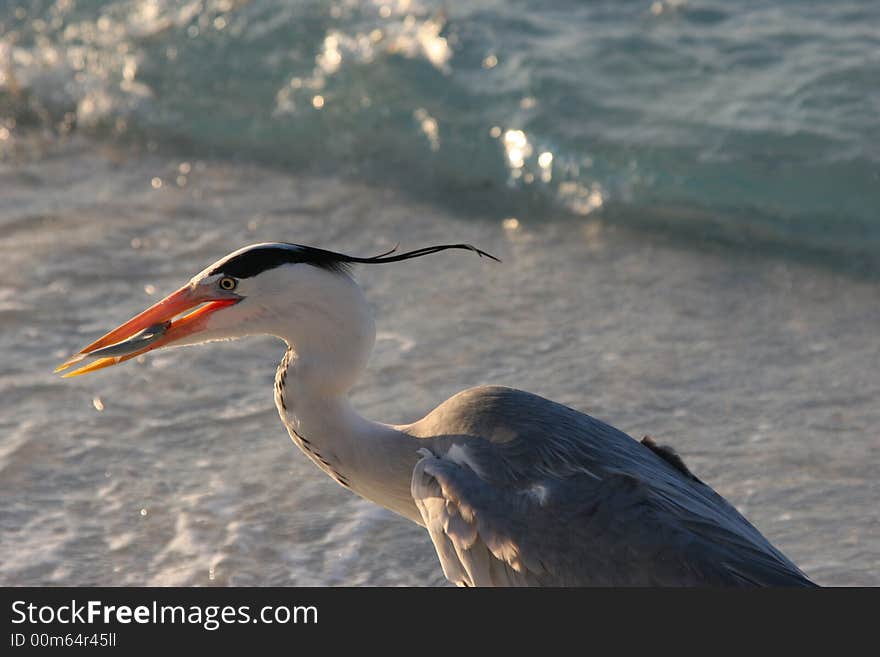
x=515 y=489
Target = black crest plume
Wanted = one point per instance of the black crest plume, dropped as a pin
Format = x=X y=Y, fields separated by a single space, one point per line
x=428 y=250
x=253 y=260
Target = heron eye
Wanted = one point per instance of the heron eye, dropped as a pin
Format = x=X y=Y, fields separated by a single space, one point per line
x=227 y=283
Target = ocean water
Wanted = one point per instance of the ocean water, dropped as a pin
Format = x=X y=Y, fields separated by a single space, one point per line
x=748 y=121
x=683 y=194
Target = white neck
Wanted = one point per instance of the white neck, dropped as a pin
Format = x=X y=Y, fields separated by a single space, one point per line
x=330 y=335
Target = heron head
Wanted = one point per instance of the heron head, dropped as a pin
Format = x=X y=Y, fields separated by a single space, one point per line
x=300 y=293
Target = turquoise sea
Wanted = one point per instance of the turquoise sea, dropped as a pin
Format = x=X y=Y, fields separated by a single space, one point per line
x=747 y=122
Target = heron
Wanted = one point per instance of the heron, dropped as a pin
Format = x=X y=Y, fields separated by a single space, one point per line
x=514 y=489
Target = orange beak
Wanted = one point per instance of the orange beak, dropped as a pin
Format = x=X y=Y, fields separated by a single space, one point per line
x=158 y=326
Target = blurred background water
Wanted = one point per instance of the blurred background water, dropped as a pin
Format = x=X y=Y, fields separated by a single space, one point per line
x=752 y=121
x=684 y=194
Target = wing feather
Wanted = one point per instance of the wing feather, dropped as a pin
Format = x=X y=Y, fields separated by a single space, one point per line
x=518 y=490
x=472 y=550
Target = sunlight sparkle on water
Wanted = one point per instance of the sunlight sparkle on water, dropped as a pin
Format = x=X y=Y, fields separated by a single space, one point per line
x=429 y=127
x=580 y=198
x=330 y=58
x=406 y=34
x=517 y=148
x=545 y=161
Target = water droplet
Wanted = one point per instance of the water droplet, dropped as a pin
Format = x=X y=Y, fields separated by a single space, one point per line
x=98 y=404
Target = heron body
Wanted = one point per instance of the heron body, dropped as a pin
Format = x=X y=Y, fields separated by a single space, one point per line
x=514 y=489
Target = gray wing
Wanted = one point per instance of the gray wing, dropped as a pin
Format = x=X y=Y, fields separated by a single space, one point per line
x=516 y=490
x=472 y=540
